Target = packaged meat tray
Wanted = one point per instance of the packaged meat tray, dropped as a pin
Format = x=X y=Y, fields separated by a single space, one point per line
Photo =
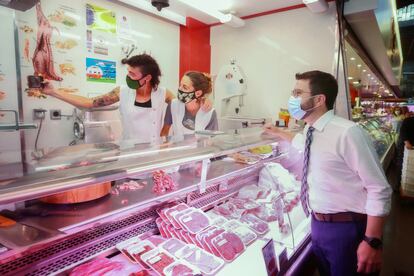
x=229 y=245
x=209 y=236
x=195 y=221
x=161 y=228
x=172 y=246
x=216 y=219
x=264 y=213
x=200 y=236
x=158 y=260
x=170 y=213
x=137 y=250
x=228 y=210
x=180 y=268
x=178 y=215
x=256 y=224
x=243 y=203
x=247 y=235
x=207 y=263
x=155 y=240
x=122 y=247
x=98 y=267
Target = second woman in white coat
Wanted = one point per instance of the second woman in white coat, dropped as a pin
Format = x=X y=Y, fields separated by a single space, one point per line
x=184 y=114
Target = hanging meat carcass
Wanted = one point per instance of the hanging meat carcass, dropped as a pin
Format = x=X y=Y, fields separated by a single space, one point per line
x=43 y=56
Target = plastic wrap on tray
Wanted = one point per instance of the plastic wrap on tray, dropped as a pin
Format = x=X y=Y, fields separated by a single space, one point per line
x=195 y=221
x=257 y=225
x=178 y=215
x=156 y=240
x=163 y=228
x=229 y=245
x=172 y=211
x=264 y=213
x=172 y=246
x=228 y=210
x=180 y=268
x=122 y=246
x=158 y=260
x=247 y=235
x=216 y=219
x=207 y=263
x=139 y=249
x=209 y=236
x=253 y=192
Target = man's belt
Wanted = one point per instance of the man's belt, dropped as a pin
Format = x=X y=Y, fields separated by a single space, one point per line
x=340 y=217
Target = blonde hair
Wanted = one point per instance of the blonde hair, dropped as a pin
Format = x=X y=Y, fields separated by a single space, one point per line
x=201 y=81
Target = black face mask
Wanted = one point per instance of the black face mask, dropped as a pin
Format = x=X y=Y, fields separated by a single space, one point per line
x=133 y=84
x=186 y=97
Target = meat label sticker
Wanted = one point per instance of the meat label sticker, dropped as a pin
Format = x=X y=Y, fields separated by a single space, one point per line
x=269 y=257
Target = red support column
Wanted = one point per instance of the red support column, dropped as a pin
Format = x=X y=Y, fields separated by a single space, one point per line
x=195 y=50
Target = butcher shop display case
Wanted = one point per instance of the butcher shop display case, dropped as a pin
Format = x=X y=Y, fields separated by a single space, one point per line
x=382 y=135
x=214 y=205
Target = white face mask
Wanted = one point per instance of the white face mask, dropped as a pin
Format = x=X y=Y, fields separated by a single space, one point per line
x=295 y=109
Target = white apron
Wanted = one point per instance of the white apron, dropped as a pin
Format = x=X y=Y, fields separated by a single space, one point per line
x=140 y=124
x=202 y=119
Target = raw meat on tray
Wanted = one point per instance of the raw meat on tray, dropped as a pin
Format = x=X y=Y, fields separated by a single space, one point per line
x=229 y=245
x=194 y=221
x=172 y=246
x=158 y=260
x=179 y=268
x=98 y=267
x=205 y=262
x=258 y=225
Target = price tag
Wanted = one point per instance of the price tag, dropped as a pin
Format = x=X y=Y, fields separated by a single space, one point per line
x=269 y=257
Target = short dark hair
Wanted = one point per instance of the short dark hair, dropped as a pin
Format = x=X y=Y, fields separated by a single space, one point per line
x=148 y=66
x=321 y=83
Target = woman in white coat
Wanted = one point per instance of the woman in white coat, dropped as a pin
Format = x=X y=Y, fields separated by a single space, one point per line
x=185 y=114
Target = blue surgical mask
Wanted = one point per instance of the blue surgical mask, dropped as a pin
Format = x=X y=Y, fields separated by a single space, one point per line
x=295 y=108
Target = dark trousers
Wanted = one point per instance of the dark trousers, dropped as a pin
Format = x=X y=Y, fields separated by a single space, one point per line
x=335 y=245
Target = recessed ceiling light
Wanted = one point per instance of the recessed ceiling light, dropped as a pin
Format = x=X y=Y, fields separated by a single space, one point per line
x=359 y=65
x=369 y=75
x=352 y=58
x=364 y=70
x=350 y=78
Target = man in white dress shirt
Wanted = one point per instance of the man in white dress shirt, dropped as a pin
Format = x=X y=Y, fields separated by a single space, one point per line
x=344 y=188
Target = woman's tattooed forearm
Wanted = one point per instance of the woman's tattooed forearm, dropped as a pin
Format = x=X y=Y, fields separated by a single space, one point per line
x=107 y=99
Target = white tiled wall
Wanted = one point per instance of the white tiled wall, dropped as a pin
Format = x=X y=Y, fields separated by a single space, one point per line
x=271 y=49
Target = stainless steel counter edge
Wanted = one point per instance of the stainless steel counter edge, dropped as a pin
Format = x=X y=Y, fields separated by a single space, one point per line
x=36 y=190
x=21 y=192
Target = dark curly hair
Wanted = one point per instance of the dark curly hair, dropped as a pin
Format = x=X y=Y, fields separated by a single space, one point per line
x=148 y=66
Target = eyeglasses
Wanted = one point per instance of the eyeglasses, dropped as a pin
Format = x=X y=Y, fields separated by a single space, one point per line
x=298 y=92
